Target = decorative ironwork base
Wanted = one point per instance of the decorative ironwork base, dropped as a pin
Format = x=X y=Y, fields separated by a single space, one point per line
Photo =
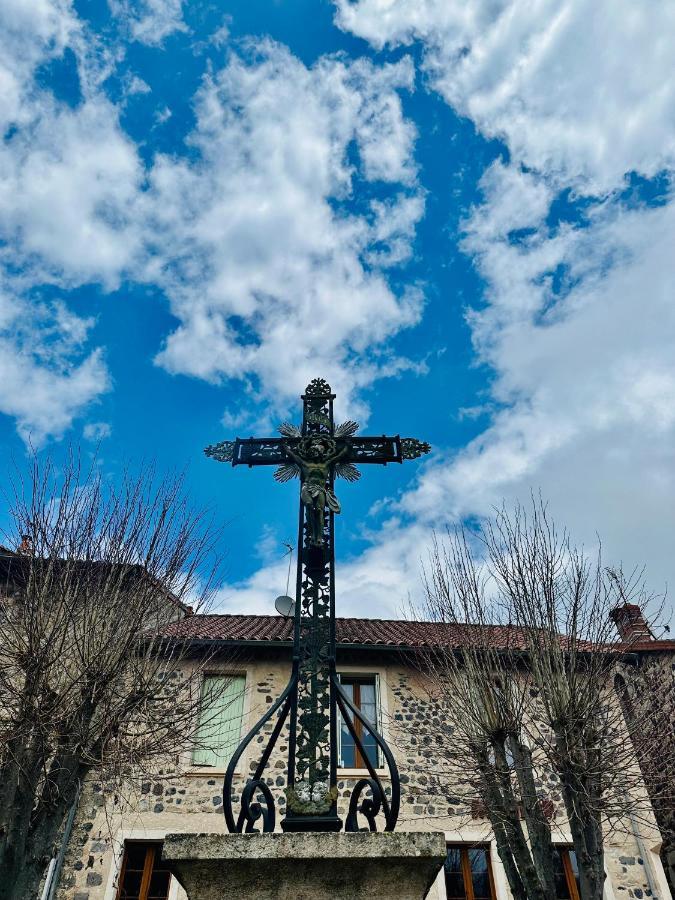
x=311 y=823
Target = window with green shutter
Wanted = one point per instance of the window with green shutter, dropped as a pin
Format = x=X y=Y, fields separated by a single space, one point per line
x=220 y=715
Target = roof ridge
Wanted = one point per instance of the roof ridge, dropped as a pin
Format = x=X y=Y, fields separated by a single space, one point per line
x=217 y=615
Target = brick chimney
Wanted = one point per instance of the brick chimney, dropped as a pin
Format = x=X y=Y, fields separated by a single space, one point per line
x=630 y=623
x=26 y=545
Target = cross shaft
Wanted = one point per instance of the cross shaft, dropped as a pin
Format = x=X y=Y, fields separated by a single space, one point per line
x=316 y=453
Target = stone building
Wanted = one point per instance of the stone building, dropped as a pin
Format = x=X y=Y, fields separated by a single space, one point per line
x=113 y=855
x=646 y=688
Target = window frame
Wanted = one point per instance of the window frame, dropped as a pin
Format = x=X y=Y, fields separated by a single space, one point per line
x=379 y=680
x=465 y=867
x=151 y=847
x=564 y=851
x=199 y=769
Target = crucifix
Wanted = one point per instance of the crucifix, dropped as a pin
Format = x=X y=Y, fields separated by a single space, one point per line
x=317 y=453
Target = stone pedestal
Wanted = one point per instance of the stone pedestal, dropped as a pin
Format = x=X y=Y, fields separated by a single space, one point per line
x=306 y=866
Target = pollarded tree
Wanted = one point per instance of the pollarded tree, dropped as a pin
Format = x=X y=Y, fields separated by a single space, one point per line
x=87 y=683
x=478 y=686
x=529 y=699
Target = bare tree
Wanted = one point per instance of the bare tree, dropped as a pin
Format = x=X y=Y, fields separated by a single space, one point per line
x=479 y=687
x=528 y=692
x=87 y=682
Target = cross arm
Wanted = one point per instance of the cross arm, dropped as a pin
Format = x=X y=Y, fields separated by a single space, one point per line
x=273 y=451
x=384 y=449
x=250 y=451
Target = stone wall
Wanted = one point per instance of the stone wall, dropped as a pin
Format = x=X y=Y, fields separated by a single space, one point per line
x=192 y=800
x=647 y=691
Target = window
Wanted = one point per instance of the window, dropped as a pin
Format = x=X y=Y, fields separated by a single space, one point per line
x=566 y=874
x=362 y=690
x=143 y=875
x=220 y=715
x=468 y=875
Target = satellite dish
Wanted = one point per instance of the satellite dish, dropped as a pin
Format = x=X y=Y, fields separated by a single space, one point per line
x=285 y=606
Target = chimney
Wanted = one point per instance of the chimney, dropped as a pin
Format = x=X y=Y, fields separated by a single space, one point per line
x=26 y=545
x=630 y=623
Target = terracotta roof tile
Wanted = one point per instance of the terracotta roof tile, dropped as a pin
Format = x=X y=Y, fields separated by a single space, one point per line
x=377 y=632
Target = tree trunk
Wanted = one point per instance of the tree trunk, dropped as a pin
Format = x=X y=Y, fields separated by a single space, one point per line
x=538 y=828
x=15 y=858
x=587 y=837
x=20 y=879
x=33 y=832
x=506 y=856
x=503 y=813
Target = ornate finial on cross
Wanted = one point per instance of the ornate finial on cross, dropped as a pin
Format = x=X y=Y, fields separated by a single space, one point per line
x=316 y=452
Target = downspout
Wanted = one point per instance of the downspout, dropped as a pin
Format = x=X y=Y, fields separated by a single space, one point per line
x=49 y=878
x=56 y=864
x=645 y=855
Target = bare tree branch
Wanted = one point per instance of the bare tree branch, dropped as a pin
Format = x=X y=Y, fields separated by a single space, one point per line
x=534 y=729
x=88 y=684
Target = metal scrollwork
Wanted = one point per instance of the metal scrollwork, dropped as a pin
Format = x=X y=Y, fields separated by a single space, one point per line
x=252 y=811
x=318 y=387
x=380 y=450
x=252 y=452
x=223 y=452
x=369 y=807
x=411 y=448
x=347 y=429
x=289 y=430
x=347 y=471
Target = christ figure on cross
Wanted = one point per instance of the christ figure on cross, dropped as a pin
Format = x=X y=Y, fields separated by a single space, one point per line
x=314 y=456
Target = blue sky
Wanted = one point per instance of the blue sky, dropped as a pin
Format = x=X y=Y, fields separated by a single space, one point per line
x=461 y=215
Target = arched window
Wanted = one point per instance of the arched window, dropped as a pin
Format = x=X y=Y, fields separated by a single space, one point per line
x=621 y=688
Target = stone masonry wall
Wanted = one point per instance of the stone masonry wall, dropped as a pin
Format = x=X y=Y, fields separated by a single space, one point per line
x=192 y=802
x=648 y=695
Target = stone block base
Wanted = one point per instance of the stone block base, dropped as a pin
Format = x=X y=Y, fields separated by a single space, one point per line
x=306 y=866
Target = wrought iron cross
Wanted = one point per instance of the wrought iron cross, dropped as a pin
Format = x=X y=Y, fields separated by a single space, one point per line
x=316 y=453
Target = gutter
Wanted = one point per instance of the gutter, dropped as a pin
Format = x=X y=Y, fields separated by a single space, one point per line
x=645 y=855
x=285 y=644
x=56 y=863
x=626 y=656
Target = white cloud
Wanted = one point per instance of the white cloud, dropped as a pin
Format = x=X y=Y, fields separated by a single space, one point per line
x=273 y=280
x=96 y=431
x=580 y=89
x=69 y=182
x=267 y=273
x=584 y=387
x=29 y=34
x=47 y=378
x=53 y=187
x=150 y=21
x=379 y=583
x=135 y=85
x=221 y=35
x=577 y=323
x=585 y=378
x=265 y=270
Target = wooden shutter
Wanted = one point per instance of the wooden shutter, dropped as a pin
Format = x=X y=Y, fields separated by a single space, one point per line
x=219 y=720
